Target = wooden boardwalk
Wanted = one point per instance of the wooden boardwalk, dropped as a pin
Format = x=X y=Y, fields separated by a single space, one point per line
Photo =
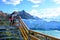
x=10 y=33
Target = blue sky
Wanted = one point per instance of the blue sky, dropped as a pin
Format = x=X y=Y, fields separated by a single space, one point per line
x=46 y=9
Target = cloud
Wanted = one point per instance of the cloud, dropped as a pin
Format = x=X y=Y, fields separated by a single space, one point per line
x=56 y=1
x=13 y=2
x=50 y=12
x=46 y=13
x=36 y=1
x=35 y=6
x=34 y=12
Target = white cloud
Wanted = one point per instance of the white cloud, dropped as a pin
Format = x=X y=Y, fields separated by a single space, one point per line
x=35 y=6
x=13 y=2
x=48 y=13
x=4 y=0
x=56 y=1
x=35 y=13
x=36 y=1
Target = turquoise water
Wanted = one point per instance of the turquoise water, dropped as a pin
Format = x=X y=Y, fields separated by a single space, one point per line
x=53 y=33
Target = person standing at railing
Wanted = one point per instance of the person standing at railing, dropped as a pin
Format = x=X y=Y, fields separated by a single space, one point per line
x=10 y=20
x=13 y=17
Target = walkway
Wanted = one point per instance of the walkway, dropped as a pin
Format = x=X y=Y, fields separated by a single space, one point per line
x=10 y=33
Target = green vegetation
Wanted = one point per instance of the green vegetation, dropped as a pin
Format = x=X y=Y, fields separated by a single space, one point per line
x=4 y=22
x=9 y=34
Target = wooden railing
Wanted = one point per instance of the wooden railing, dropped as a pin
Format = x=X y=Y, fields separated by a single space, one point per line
x=42 y=36
x=32 y=35
x=25 y=31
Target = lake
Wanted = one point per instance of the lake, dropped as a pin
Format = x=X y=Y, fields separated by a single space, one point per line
x=53 y=33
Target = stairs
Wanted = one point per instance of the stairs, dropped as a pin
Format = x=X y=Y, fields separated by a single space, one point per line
x=10 y=33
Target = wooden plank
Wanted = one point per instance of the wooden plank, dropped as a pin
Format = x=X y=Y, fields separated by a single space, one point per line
x=33 y=37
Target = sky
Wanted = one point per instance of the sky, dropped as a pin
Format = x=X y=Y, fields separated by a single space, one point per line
x=45 y=9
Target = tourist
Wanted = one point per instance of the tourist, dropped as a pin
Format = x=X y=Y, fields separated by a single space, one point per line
x=12 y=17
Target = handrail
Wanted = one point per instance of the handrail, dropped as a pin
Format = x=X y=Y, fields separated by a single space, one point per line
x=23 y=33
x=44 y=36
x=33 y=37
x=23 y=30
x=26 y=33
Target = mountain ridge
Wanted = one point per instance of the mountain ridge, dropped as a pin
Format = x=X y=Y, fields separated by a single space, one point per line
x=25 y=15
x=38 y=24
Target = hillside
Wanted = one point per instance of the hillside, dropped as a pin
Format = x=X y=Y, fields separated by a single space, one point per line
x=2 y=15
x=42 y=25
x=25 y=15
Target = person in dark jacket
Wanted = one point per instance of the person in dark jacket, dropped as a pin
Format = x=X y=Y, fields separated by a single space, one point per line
x=13 y=17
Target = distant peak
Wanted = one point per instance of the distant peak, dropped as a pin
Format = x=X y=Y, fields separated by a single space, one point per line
x=23 y=10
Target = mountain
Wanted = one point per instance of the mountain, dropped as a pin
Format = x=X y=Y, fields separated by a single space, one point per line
x=42 y=25
x=34 y=24
x=39 y=24
x=25 y=15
